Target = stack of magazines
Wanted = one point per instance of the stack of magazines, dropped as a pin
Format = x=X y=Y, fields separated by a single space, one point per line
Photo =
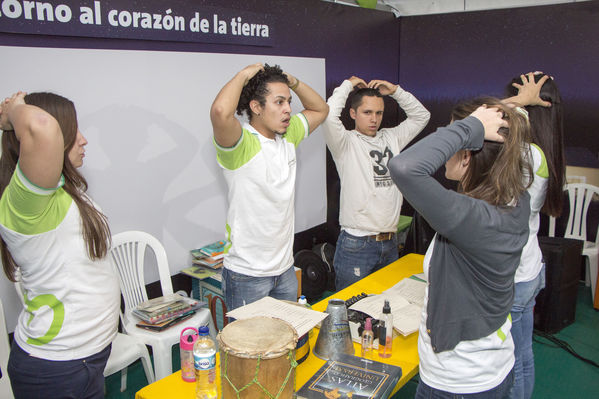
x=162 y=312
x=210 y=255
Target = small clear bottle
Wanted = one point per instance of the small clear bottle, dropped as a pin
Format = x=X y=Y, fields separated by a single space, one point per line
x=367 y=338
x=386 y=331
x=304 y=301
x=204 y=355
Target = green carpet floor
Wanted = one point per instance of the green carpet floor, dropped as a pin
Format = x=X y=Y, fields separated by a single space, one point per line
x=558 y=373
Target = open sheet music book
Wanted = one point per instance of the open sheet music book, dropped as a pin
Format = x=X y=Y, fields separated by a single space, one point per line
x=301 y=318
x=406 y=299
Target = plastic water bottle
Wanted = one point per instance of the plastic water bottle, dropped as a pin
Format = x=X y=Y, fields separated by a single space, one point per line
x=204 y=355
x=303 y=301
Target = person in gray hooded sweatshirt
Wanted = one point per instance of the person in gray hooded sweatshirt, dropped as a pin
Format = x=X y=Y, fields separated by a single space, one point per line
x=464 y=344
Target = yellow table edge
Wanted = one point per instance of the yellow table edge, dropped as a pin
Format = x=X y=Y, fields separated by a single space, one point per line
x=405 y=349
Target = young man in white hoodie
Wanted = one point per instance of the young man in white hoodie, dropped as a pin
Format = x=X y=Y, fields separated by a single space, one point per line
x=370 y=203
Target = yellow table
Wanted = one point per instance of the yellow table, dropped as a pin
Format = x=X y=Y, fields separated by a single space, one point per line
x=405 y=349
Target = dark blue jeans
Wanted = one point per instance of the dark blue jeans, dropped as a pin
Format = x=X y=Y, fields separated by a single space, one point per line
x=357 y=257
x=501 y=391
x=240 y=289
x=35 y=378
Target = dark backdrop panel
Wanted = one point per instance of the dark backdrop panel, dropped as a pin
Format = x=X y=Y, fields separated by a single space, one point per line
x=354 y=41
x=448 y=57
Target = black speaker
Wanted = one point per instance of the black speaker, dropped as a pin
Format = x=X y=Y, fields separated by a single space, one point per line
x=326 y=252
x=314 y=273
x=556 y=304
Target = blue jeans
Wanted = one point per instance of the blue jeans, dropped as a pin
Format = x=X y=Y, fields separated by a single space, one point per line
x=522 y=326
x=357 y=257
x=240 y=289
x=35 y=378
x=499 y=392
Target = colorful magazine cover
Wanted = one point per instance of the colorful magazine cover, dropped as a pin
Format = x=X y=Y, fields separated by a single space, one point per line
x=213 y=249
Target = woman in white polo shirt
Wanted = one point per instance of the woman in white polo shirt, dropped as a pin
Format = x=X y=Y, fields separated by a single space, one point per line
x=57 y=238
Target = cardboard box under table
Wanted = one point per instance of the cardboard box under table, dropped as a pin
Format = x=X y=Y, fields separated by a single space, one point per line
x=405 y=349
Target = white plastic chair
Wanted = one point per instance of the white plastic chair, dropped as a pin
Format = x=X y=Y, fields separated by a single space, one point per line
x=127 y=254
x=580 y=196
x=125 y=350
x=5 y=388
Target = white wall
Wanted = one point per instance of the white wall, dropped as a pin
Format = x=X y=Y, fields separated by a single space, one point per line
x=423 y=7
x=150 y=162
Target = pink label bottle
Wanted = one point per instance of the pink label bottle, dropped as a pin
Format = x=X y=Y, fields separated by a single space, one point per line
x=189 y=336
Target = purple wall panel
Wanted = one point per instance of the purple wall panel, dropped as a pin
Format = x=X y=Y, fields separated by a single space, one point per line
x=448 y=57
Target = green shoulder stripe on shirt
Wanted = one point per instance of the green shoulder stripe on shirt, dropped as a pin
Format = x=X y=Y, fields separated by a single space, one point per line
x=30 y=210
x=235 y=157
x=543 y=170
x=298 y=129
x=31 y=186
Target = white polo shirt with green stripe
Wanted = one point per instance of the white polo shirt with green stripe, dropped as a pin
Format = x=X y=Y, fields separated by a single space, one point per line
x=471 y=366
x=531 y=260
x=260 y=174
x=71 y=302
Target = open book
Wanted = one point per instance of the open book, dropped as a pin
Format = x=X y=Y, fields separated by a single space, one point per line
x=406 y=299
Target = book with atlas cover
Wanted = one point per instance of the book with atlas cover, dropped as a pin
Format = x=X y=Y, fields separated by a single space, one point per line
x=347 y=376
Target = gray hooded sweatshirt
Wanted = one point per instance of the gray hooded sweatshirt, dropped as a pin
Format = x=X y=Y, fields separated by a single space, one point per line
x=478 y=245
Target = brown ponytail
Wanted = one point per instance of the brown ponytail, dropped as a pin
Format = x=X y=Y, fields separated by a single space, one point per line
x=96 y=232
x=495 y=173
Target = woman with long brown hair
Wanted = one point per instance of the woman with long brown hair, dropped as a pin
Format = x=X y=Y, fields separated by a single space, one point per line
x=464 y=342
x=55 y=239
x=541 y=97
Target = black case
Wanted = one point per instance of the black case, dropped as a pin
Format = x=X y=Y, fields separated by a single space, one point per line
x=556 y=304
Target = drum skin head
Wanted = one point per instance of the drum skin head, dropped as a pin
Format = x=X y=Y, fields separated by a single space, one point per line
x=264 y=337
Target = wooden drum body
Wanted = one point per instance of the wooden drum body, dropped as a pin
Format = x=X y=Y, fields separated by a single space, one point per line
x=257 y=359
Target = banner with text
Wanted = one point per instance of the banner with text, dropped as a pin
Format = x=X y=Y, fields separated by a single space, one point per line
x=147 y=20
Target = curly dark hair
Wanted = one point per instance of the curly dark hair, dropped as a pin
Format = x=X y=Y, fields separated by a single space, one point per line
x=256 y=88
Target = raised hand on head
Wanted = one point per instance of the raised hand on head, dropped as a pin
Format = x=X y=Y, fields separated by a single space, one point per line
x=384 y=87
x=529 y=92
x=7 y=105
x=492 y=120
